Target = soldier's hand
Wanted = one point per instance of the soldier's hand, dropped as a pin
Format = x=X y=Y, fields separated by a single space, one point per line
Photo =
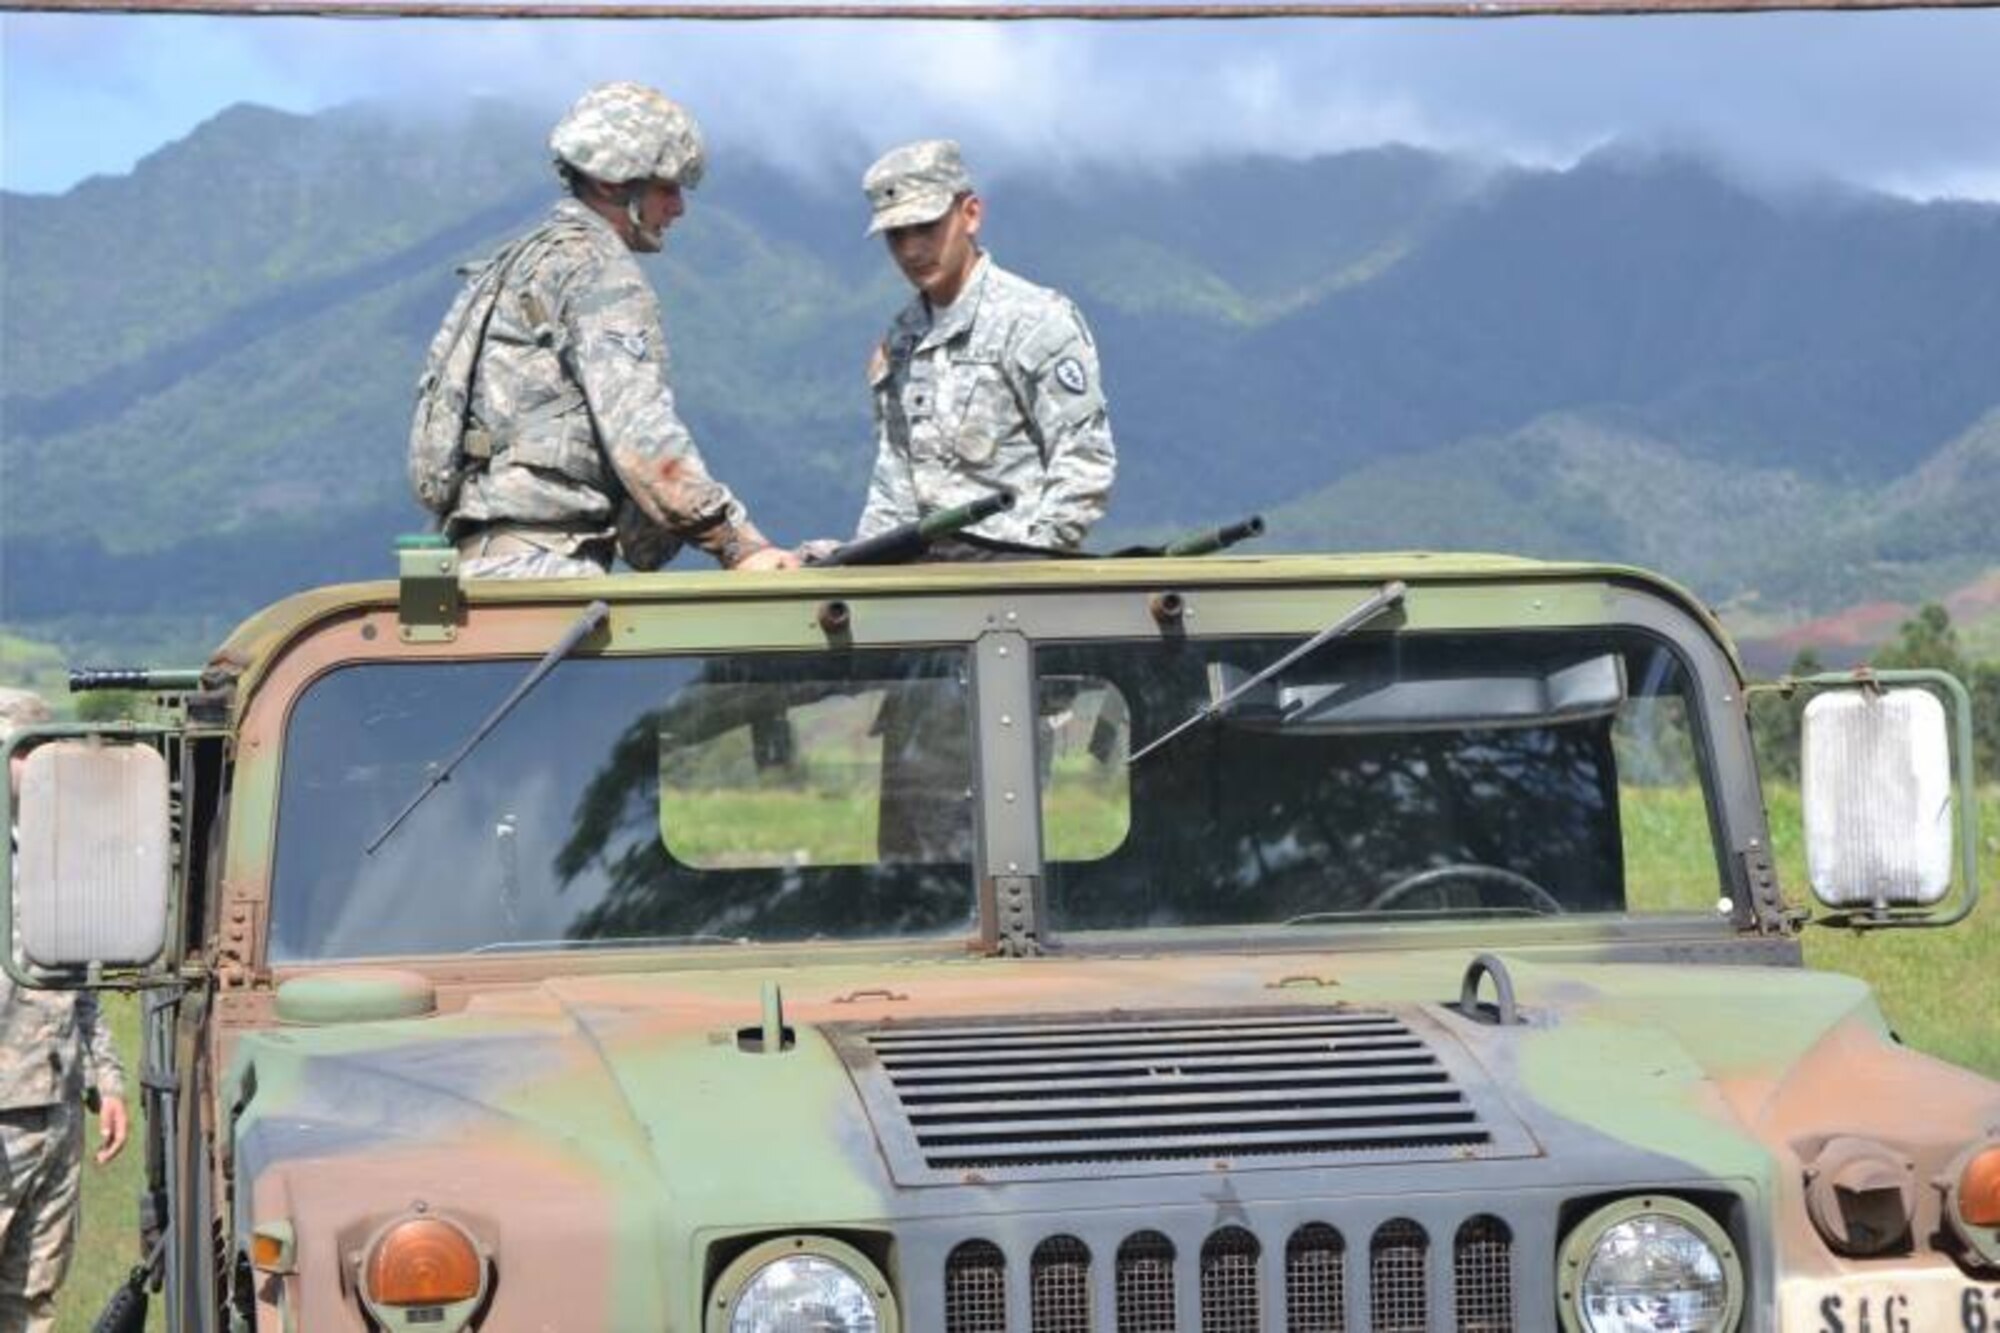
x=112 y=1127
x=819 y=548
x=771 y=557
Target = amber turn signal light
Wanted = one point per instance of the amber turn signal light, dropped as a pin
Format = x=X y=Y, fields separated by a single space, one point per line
x=424 y=1261
x=1979 y=1189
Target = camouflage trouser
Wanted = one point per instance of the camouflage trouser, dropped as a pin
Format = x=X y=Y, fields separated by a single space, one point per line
x=41 y=1164
x=512 y=555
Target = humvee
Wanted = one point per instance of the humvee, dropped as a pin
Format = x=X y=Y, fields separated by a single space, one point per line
x=1237 y=944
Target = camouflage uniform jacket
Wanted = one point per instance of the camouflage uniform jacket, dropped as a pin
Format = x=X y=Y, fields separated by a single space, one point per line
x=1000 y=389
x=572 y=401
x=54 y=1045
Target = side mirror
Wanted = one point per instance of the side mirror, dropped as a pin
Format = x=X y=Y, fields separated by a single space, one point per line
x=1882 y=814
x=92 y=876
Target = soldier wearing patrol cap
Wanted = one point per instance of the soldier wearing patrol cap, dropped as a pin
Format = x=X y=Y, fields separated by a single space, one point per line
x=55 y=1055
x=985 y=380
x=571 y=443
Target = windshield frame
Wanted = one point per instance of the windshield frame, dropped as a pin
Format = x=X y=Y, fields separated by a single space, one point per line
x=999 y=613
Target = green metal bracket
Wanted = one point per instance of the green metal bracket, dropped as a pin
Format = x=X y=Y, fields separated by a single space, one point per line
x=430 y=606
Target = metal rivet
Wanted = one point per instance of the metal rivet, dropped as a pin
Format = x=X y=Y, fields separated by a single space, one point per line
x=1008 y=796
x=1012 y=617
x=1006 y=719
x=1013 y=867
x=1003 y=650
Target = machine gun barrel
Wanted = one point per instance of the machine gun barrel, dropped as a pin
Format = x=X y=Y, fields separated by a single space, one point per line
x=82 y=680
x=910 y=540
x=1210 y=540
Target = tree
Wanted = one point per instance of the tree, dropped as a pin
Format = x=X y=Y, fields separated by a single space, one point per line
x=1926 y=639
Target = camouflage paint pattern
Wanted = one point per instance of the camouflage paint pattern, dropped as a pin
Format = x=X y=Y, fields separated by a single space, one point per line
x=601 y=1126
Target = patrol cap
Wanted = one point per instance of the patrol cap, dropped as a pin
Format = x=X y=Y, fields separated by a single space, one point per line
x=21 y=708
x=914 y=184
x=621 y=132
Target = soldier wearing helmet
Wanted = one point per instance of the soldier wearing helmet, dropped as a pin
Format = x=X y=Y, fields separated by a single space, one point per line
x=571 y=444
x=56 y=1056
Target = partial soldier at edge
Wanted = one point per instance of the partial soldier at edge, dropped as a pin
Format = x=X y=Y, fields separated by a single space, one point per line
x=546 y=436
x=56 y=1057
x=985 y=381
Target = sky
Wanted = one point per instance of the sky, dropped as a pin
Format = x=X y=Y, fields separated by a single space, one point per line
x=1906 y=102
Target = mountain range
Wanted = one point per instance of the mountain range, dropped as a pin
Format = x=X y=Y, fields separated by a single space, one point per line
x=1786 y=397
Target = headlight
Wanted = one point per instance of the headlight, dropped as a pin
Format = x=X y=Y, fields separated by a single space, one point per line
x=1650 y=1265
x=802 y=1284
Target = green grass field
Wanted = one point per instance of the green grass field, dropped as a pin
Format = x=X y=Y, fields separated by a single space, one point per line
x=1934 y=985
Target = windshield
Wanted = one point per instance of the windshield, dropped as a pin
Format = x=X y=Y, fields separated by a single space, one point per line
x=796 y=796
x=1380 y=778
x=667 y=801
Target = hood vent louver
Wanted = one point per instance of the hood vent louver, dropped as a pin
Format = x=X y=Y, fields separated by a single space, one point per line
x=1043 y=1098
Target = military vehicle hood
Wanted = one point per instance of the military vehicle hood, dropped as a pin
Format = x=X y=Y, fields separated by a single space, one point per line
x=572 y=1123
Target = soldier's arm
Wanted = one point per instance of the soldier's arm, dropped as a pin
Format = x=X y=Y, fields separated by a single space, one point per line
x=107 y=1072
x=892 y=496
x=1056 y=362
x=617 y=351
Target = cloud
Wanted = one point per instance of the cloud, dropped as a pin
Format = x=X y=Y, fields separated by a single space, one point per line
x=1904 y=101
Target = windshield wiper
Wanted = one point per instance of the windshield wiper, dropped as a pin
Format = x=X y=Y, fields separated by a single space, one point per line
x=1387 y=596
x=593 y=616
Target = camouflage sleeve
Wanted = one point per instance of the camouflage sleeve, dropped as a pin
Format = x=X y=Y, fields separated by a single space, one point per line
x=617 y=351
x=892 y=498
x=1057 y=365
x=106 y=1072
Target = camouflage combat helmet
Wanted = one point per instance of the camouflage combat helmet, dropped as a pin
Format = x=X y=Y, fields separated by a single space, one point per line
x=622 y=132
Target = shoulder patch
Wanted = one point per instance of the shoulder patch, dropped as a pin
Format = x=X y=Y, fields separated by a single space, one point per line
x=878 y=365
x=1071 y=375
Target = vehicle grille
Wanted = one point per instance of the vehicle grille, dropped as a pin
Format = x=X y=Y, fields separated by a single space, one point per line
x=1394 y=1267
x=1043 y=1098
x=975 y=1289
x=1059 y=1285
